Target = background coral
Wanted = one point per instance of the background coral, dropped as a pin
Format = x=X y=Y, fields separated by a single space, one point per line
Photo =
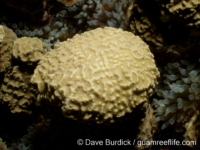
x=186 y=12
x=7 y=38
x=28 y=50
x=16 y=92
x=164 y=34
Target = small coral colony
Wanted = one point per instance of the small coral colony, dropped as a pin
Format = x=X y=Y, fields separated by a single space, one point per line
x=99 y=69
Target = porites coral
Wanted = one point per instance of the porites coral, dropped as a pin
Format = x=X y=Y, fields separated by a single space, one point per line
x=82 y=74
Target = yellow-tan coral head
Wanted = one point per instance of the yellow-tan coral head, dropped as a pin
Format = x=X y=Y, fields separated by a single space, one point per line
x=97 y=76
x=28 y=50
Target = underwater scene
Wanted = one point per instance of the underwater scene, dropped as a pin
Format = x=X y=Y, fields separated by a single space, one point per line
x=95 y=74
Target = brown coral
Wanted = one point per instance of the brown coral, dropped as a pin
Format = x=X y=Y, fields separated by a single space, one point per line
x=17 y=91
x=185 y=10
x=29 y=50
x=97 y=76
x=7 y=38
x=142 y=25
x=162 y=31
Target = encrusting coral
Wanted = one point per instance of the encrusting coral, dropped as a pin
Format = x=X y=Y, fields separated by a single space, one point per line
x=7 y=38
x=16 y=92
x=82 y=74
x=28 y=50
x=179 y=90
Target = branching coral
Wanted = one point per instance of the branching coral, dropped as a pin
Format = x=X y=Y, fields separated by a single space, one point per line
x=97 y=76
x=180 y=90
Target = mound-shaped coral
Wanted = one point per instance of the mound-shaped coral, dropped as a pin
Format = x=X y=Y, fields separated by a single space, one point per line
x=28 y=50
x=7 y=38
x=16 y=92
x=97 y=76
x=179 y=91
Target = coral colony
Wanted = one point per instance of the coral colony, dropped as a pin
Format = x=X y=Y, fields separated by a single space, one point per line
x=116 y=71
